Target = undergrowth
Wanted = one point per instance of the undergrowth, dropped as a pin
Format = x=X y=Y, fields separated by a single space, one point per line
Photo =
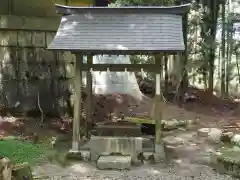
x=22 y=151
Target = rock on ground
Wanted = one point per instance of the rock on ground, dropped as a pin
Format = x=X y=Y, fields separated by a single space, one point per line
x=5 y=168
x=114 y=162
x=212 y=134
x=236 y=139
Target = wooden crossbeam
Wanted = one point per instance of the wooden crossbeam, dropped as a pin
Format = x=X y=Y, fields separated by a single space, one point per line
x=121 y=67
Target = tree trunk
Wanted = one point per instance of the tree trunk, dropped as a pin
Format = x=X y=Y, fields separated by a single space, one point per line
x=166 y=74
x=214 y=9
x=223 y=64
x=237 y=63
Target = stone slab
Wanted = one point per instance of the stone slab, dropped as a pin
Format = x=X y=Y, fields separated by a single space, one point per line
x=83 y=155
x=75 y=155
x=107 y=145
x=121 y=145
x=114 y=162
x=148 y=144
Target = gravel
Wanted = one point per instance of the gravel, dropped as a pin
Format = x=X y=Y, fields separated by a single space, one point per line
x=178 y=171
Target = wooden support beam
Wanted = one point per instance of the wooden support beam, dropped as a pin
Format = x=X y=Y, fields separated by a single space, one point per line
x=120 y=67
x=77 y=118
x=184 y=61
x=89 y=95
x=158 y=105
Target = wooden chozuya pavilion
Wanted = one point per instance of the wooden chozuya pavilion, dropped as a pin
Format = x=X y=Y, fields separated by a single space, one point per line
x=119 y=31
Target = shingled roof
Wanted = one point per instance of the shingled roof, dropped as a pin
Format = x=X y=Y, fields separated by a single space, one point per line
x=125 y=30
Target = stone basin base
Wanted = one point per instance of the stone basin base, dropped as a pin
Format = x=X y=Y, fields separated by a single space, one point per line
x=107 y=145
x=116 y=152
x=228 y=161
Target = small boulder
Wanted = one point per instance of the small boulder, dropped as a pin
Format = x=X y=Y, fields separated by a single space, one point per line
x=226 y=137
x=171 y=124
x=236 y=140
x=172 y=141
x=114 y=162
x=212 y=134
x=5 y=168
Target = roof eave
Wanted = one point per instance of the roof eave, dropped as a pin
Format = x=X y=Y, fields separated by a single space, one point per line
x=178 y=10
x=117 y=52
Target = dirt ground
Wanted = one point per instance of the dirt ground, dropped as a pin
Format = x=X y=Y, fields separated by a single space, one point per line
x=209 y=109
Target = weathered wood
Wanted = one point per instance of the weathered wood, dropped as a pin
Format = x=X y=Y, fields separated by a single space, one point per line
x=77 y=104
x=184 y=61
x=120 y=67
x=157 y=103
x=179 y=10
x=89 y=94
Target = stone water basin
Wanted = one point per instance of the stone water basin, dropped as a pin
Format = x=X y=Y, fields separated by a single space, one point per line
x=119 y=128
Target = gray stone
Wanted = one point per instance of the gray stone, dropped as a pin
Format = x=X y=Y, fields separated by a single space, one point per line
x=86 y=155
x=236 y=140
x=95 y=155
x=172 y=141
x=170 y=124
x=214 y=157
x=227 y=136
x=83 y=155
x=136 y=161
x=147 y=155
x=6 y=169
x=76 y=155
x=114 y=162
x=117 y=145
x=148 y=144
x=212 y=134
x=172 y=151
x=158 y=157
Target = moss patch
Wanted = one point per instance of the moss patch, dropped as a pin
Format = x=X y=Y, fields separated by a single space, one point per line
x=229 y=161
x=21 y=151
x=140 y=120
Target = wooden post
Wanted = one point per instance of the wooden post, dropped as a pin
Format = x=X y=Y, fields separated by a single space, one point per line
x=89 y=95
x=157 y=106
x=184 y=61
x=77 y=118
